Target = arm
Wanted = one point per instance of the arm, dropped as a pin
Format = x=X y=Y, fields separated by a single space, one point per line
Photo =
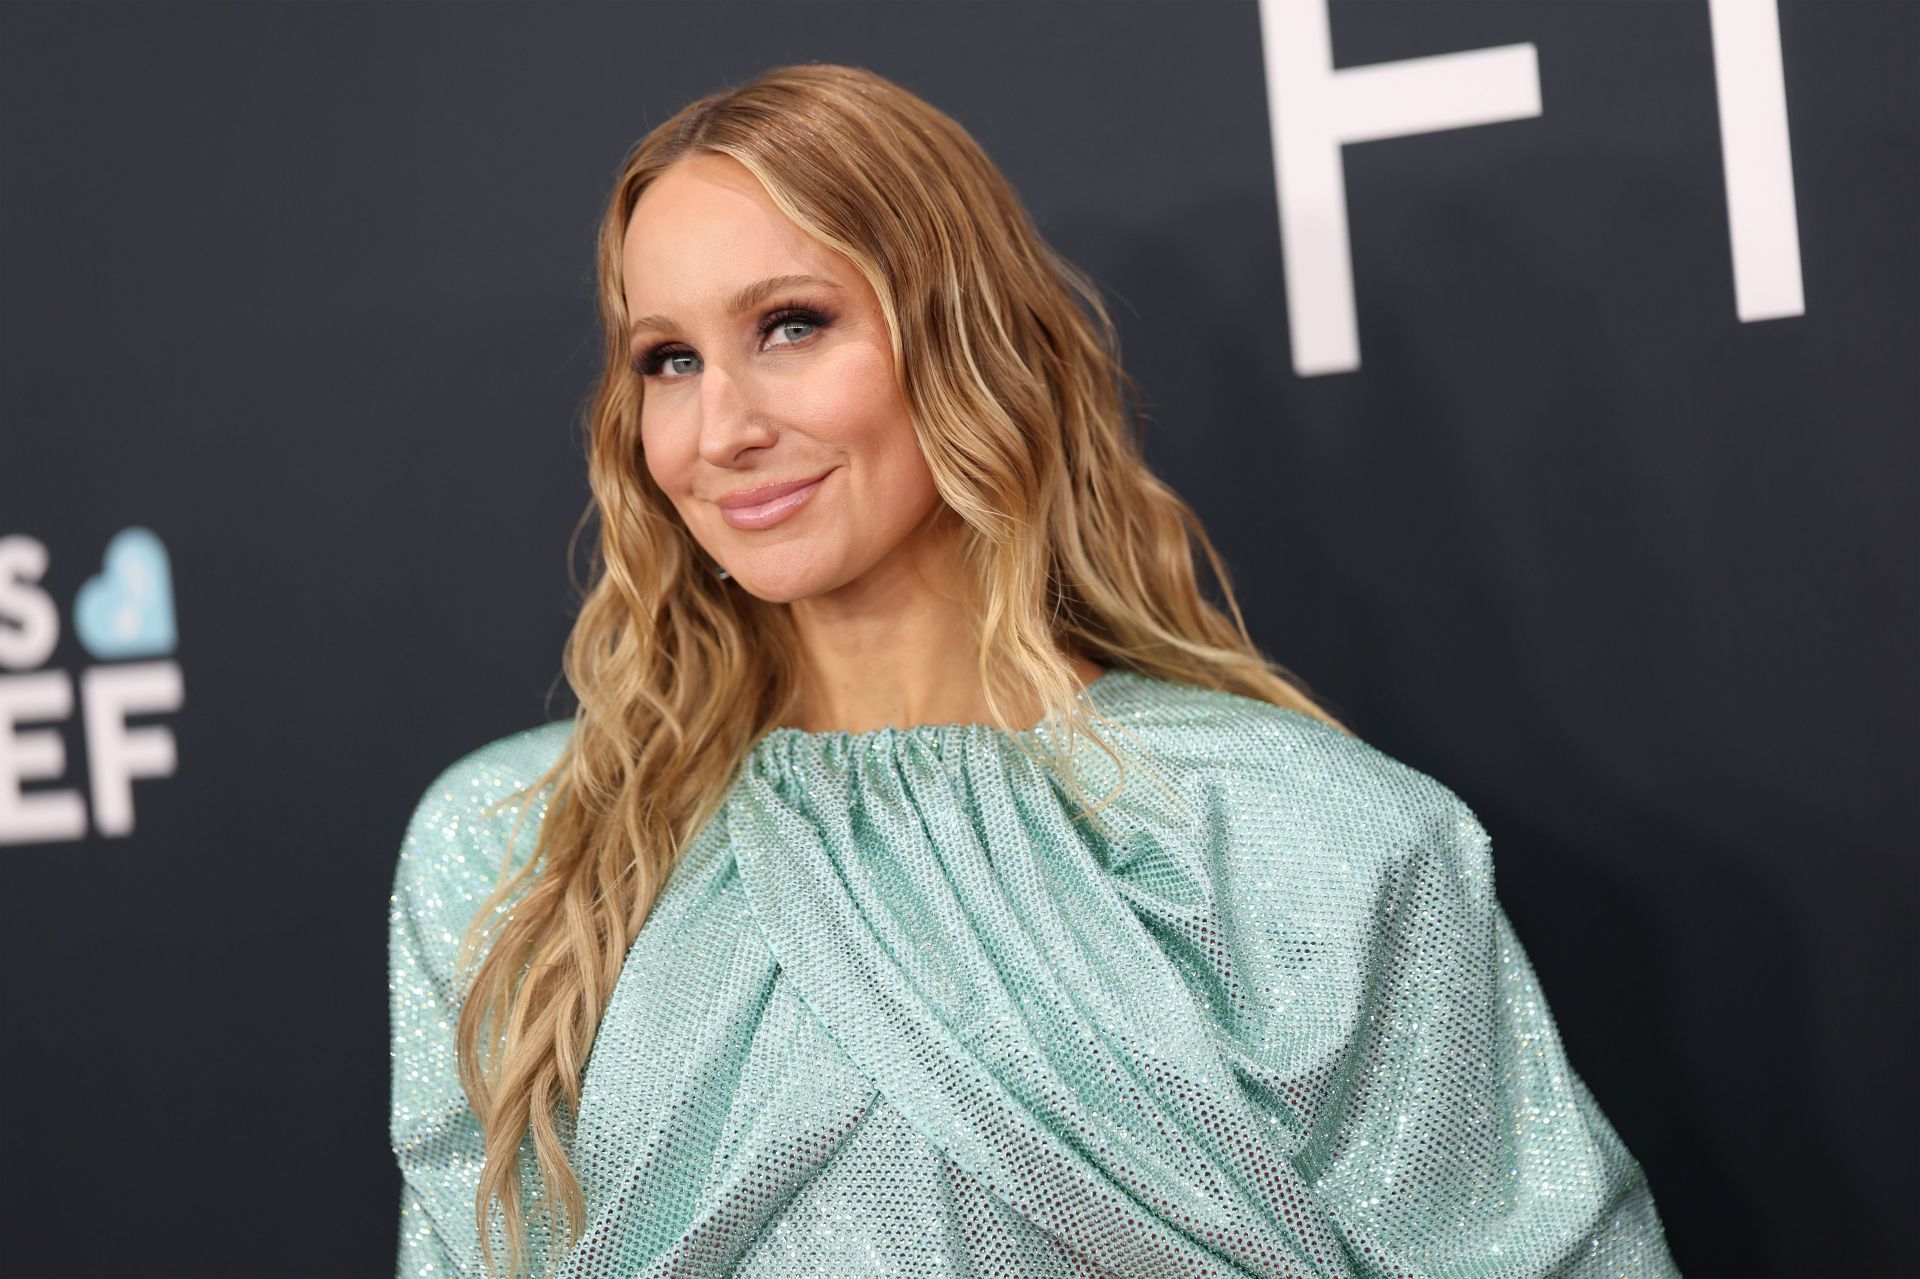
x=1467 y=1145
x=435 y=1136
x=451 y=858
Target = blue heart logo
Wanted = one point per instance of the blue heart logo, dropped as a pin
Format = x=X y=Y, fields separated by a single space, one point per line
x=126 y=609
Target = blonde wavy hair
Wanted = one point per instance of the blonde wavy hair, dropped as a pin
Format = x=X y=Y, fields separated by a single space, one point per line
x=1071 y=546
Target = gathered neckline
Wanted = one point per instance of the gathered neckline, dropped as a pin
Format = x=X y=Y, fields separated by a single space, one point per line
x=836 y=741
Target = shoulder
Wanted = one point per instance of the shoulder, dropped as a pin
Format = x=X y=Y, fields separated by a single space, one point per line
x=454 y=849
x=1294 y=784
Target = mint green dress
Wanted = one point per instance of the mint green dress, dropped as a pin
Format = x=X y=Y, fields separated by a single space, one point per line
x=897 y=1014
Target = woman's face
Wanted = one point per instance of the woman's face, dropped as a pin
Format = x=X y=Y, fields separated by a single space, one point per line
x=753 y=379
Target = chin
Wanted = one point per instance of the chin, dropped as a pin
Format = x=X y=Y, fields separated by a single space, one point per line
x=782 y=584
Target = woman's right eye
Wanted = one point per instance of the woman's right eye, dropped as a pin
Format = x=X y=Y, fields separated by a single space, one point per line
x=652 y=362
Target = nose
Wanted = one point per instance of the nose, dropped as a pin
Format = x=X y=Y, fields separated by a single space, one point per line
x=731 y=420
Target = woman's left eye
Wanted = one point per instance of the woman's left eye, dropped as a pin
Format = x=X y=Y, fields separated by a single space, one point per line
x=784 y=324
x=784 y=319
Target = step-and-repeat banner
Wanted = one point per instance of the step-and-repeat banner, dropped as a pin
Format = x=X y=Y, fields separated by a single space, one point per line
x=1546 y=373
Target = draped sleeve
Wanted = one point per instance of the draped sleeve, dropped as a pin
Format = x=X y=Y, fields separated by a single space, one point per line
x=1383 y=1016
x=450 y=859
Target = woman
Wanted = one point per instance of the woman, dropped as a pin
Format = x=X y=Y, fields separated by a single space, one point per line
x=1005 y=911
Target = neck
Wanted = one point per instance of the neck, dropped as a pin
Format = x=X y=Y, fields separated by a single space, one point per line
x=898 y=647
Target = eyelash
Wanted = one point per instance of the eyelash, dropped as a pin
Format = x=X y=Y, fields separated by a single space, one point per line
x=647 y=363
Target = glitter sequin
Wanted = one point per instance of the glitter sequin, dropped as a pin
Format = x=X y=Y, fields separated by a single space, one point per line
x=897 y=1014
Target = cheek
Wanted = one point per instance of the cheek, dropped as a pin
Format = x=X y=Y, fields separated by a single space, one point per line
x=871 y=415
x=903 y=485
x=664 y=459
x=879 y=430
x=670 y=465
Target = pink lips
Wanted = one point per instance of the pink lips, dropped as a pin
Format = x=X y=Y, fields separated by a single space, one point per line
x=767 y=505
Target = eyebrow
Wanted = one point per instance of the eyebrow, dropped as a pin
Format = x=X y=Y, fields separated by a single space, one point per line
x=743 y=299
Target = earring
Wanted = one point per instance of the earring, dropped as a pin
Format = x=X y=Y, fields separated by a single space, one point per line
x=721 y=573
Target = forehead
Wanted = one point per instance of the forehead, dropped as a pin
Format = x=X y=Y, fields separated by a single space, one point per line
x=703 y=228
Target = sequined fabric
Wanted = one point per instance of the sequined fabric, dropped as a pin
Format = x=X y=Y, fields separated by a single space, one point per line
x=897 y=1014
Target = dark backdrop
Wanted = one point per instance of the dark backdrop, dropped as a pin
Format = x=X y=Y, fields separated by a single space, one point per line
x=304 y=291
